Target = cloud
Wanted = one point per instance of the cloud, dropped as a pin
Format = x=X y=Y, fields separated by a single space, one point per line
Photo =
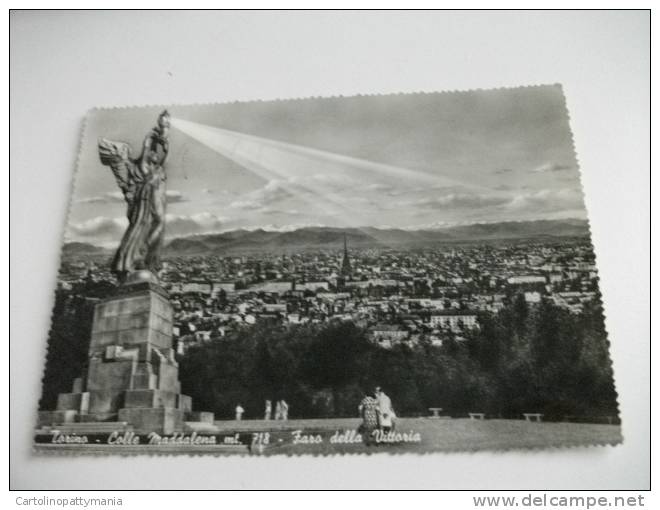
x=429 y=226
x=551 y=167
x=547 y=200
x=100 y=230
x=105 y=198
x=272 y=192
x=284 y=228
x=307 y=187
x=276 y=210
x=104 y=231
x=403 y=189
x=218 y=192
x=173 y=196
x=379 y=186
x=338 y=183
x=337 y=190
x=186 y=225
x=524 y=204
x=461 y=200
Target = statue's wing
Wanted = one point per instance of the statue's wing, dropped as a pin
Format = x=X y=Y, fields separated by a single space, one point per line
x=117 y=155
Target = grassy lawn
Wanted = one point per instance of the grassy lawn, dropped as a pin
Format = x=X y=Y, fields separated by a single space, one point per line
x=315 y=437
x=435 y=434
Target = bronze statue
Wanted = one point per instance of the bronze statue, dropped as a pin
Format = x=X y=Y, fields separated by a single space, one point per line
x=142 y=181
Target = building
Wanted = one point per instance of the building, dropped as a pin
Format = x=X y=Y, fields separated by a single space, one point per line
x=312 y=286
x=526 y=279
x=227 y=287
x=346 y=270
x=453 y=320
x=272 y=287
x=532 y=297
x=386 y=335
x=274 y=308
x=190 y=288
x=374 y=282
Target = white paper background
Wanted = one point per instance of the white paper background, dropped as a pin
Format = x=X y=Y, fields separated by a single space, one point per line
x=64 y=63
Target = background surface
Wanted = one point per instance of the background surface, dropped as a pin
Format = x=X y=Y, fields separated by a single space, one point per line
x=64 y=63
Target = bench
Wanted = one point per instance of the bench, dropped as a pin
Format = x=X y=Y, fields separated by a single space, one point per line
x=533 y=416
x=477 y=416
x=436 y=411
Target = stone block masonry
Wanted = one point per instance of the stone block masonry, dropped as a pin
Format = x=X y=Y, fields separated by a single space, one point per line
x=132 y=375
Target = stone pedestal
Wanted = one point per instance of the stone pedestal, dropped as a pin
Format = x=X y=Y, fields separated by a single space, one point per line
x=132 y=375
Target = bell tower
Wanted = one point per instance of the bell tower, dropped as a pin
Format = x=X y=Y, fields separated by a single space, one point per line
x=346 y=262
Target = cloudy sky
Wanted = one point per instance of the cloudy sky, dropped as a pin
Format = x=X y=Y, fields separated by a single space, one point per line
x=405 y=161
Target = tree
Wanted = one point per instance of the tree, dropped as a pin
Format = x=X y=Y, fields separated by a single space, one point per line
x=337 y=360
x=68 y=344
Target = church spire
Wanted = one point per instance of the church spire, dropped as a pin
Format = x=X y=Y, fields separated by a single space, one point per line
x=346 y=263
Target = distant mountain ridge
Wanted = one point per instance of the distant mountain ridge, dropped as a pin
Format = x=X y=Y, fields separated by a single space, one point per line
x=308 y=238
x=332 y=237
x=76 y=248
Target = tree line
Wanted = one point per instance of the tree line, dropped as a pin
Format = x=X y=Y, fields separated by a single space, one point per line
x=524 y=358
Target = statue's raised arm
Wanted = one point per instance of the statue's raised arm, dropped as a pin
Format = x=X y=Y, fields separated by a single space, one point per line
x=156 y=146
x=142 y=181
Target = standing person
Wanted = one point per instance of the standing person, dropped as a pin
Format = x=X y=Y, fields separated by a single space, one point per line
x=368 y=409
x=268 y=411
x=239 y=412
x=285 y=410
x=278 y=410
x=385 y=411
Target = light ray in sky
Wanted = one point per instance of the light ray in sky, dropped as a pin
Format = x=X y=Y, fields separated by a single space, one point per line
x=303 y=172
x=295 y=161
x=278 y=162
x=418 y=162
x=315 y=198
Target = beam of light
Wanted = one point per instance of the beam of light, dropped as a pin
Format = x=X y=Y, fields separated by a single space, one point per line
x=295 y=168
x=272 y=166
x=315 y=198
x=296 y=161
x=318 y=199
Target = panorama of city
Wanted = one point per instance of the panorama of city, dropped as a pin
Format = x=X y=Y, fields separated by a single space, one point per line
x=399 y=296
x=326 y=275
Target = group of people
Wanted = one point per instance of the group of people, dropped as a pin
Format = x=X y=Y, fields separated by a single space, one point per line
x=281 y=411
x=377 y=413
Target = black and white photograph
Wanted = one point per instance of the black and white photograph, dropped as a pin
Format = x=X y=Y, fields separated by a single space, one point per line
x=329 y=248
x=404 y=273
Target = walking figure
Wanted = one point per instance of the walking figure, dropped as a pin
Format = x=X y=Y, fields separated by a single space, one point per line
x=239 y=412
x=368 y=409
x=386 y=414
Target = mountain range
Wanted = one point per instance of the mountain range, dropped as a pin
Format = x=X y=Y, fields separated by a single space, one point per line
x=311 y=238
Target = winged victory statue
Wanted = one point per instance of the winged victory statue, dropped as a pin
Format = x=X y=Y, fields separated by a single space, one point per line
x=142 y=181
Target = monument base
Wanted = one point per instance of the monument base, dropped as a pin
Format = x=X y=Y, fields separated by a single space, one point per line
x=132 y=376
x=160 y=420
